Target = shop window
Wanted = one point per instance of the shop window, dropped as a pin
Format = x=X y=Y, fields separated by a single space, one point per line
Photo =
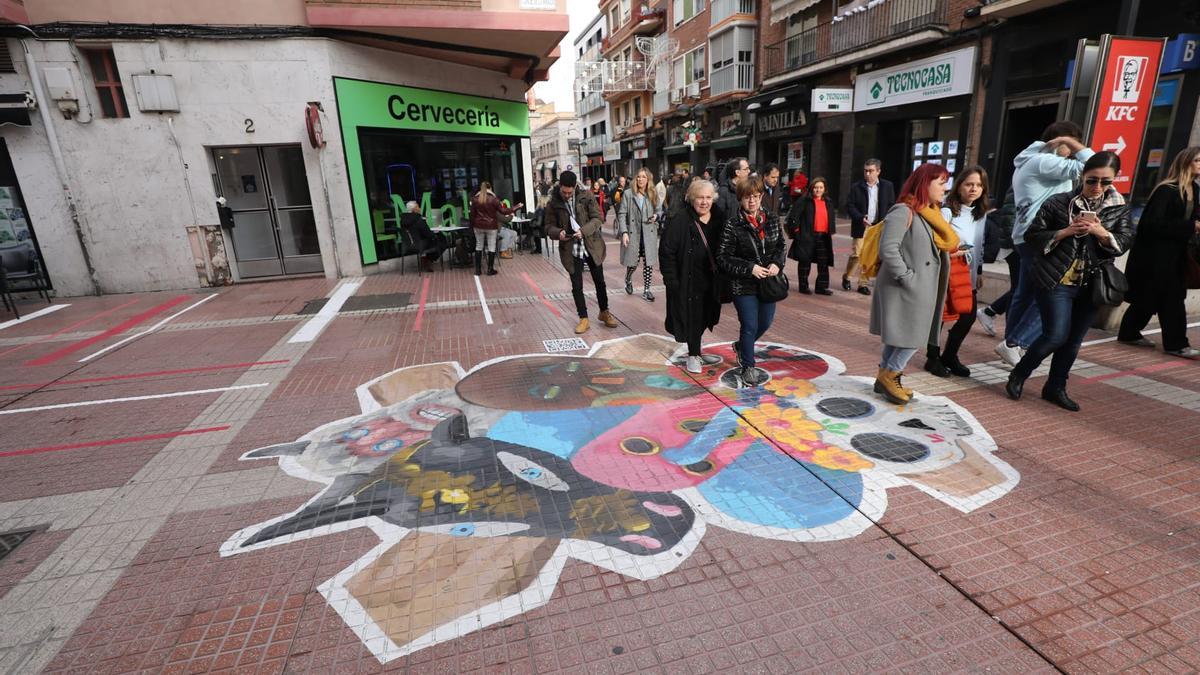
x=108 y=82
x=1154 y=161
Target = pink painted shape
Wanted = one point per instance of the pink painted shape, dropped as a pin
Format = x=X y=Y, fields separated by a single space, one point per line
x=667 y=510
x=641 y=540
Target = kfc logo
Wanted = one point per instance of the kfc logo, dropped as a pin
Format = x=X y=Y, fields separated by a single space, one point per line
x=1131 y=74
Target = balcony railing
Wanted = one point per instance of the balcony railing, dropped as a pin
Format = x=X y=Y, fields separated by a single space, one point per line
x=594 y=144
x=590 y=102
x=723 y=9
x=890 y=20
x=735 y=77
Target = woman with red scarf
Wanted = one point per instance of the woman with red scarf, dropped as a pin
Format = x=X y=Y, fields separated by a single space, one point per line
x=751 y=248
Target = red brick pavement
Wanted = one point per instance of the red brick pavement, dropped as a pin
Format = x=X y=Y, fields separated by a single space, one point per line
x=1091 y=559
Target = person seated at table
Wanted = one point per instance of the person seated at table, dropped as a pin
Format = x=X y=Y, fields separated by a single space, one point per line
x=429 y=245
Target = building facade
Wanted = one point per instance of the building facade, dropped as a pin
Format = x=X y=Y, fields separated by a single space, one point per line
x=554 y=137
x=314 y=123
x=590 y=106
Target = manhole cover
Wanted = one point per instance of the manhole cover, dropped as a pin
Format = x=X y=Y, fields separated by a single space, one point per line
x=9 y=541
x=359 y=303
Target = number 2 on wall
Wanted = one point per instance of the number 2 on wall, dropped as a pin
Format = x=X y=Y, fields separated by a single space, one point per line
x=249 y=125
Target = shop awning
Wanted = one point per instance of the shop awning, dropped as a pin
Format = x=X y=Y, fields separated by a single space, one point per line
x=676 y=150
x=541 y=166
x=730 y=142
x=552 y=165
x=782 y=9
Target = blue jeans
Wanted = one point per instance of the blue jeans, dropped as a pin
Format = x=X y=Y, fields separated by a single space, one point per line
x=755 y=318
x=1067 y=314
x=1023 y=324
x=896 y=358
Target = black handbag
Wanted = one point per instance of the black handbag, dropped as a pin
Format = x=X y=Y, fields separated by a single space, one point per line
x=1109 y=284
x=771 y=289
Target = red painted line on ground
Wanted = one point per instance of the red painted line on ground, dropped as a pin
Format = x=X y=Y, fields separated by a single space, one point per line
x=133 y=376
x=114 y=441
x=421 y=306
x=73 y=326
x=115 y=330
x=1136 y=371
x=541 y=297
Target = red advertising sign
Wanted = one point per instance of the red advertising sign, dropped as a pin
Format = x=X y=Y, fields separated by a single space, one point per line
x=1122 y=102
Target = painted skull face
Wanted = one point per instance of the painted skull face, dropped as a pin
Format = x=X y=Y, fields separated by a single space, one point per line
x=481 y=484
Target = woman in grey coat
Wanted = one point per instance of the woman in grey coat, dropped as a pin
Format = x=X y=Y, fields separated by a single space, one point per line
x=914 y=273
x=637 y=223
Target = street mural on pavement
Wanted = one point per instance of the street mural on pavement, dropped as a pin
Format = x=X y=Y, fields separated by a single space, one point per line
x=481 y=484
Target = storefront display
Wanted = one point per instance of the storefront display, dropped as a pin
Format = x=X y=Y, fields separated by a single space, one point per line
x=435 y=148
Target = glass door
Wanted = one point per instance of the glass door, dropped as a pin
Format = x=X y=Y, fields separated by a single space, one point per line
x=274 y=230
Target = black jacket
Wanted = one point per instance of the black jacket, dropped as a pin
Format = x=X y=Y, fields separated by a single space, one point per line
x=1156 y=263
x=777 y=202
x=726 y=206
x=857 y=203
x=693 y=286
x=740 y=250
x=804 y=239
x=1050 y=266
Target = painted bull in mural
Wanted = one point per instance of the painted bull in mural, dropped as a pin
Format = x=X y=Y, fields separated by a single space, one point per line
x=482 y=484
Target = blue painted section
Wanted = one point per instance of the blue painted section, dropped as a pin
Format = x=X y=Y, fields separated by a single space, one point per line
x=765 y=487
x=1182 y=53
x=718 y=429
x=559 y=432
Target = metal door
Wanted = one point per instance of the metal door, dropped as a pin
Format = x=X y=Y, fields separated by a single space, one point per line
x=274 y=231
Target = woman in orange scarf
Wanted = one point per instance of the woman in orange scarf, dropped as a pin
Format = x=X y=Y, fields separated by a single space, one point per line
x=966 y=211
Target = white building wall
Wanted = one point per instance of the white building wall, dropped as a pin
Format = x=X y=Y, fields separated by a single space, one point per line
x=128 y=175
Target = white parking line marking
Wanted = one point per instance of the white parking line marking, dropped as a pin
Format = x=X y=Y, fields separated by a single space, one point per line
x=309 y=331
x=487 y=313
x=149 y=330
x=78 y=404
x=33 y=315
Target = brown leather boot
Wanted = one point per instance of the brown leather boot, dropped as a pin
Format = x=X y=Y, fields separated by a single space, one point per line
x=912 y=395
x=607 y=319
x=582 y=326
x=887 y=383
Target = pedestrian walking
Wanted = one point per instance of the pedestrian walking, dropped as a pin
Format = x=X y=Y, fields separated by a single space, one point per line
x=1072 y=234
x=1157 y=266
x=966 y=211
x=638 y=226
x=1001 y=221
x=751 y=251
x=736 y=171
x=601 y=197
x=869 y=200
x=1045 y=168
x=811 y=225
x=776 y=200
x=486 y=210
x=660 y=189
x=573 y=218
x=689 y=271
x=914 y=274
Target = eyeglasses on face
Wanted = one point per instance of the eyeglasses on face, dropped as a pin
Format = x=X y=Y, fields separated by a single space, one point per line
x=1098 y=181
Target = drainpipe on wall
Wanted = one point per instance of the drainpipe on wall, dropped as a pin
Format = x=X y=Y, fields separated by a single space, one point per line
x=60 y=164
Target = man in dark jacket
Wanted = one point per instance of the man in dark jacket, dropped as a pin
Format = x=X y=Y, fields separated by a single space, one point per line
x=776 y=200
x=428 y=244
x=573 y=218
x=867 y=204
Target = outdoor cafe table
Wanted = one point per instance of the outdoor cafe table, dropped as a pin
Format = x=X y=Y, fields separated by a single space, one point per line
x=450 y=232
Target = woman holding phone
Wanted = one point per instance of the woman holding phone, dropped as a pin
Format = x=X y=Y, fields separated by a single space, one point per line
x=1072 y=233
x=966 y=211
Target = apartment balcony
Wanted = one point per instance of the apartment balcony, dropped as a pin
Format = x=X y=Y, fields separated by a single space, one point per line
x=723 y=9
x=870 y=27
x=735 y=77
x=1009 y=8
x=494 y=34
x=593 y=144
x=641 y=22
x=587 y=104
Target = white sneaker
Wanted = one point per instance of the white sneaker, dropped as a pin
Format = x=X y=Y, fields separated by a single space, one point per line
x=986 y=321
x=694 y=365
x=1009 y=355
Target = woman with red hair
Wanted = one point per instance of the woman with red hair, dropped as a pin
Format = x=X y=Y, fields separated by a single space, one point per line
x=914 y=257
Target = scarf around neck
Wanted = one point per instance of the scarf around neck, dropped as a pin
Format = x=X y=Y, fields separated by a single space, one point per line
x=757 y=220
x=944 y=236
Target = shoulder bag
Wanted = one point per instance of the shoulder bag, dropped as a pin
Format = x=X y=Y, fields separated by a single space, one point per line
x=1109 y=284
x=770 y=289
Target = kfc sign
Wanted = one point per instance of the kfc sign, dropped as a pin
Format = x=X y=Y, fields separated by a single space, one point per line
x=1122 y=106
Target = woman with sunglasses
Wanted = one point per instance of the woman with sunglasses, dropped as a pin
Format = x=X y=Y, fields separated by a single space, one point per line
x=1157 y=265
x=1072 y=233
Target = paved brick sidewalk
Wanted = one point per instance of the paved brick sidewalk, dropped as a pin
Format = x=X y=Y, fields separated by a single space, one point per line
x=483 y=505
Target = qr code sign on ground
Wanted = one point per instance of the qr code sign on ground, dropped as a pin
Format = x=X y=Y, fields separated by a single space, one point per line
x=565 y=345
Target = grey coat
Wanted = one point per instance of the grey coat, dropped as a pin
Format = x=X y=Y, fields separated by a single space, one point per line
x=636 y=222
x=906 y=309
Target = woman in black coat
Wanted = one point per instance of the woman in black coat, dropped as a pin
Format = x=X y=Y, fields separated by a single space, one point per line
x=689 y=271
x=751 y=249
x=1072 y=234
x=1159 y=257
x=811 y=225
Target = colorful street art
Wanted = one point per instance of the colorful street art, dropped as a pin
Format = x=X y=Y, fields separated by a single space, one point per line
x=481 y=484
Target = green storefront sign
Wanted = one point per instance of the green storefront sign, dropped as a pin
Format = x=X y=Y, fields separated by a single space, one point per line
x=386 y=106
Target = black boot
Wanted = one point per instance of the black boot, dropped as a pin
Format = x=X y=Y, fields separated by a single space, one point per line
x=933 y=363
x=491 y=263
x=478 y=263
x=1015 y=385
x=1059 y=398
x=629 y=280
x=956 y=367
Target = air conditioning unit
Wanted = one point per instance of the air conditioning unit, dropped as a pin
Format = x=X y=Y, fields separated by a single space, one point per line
x=693 y=90
x=677 y=95
x=648 y=122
